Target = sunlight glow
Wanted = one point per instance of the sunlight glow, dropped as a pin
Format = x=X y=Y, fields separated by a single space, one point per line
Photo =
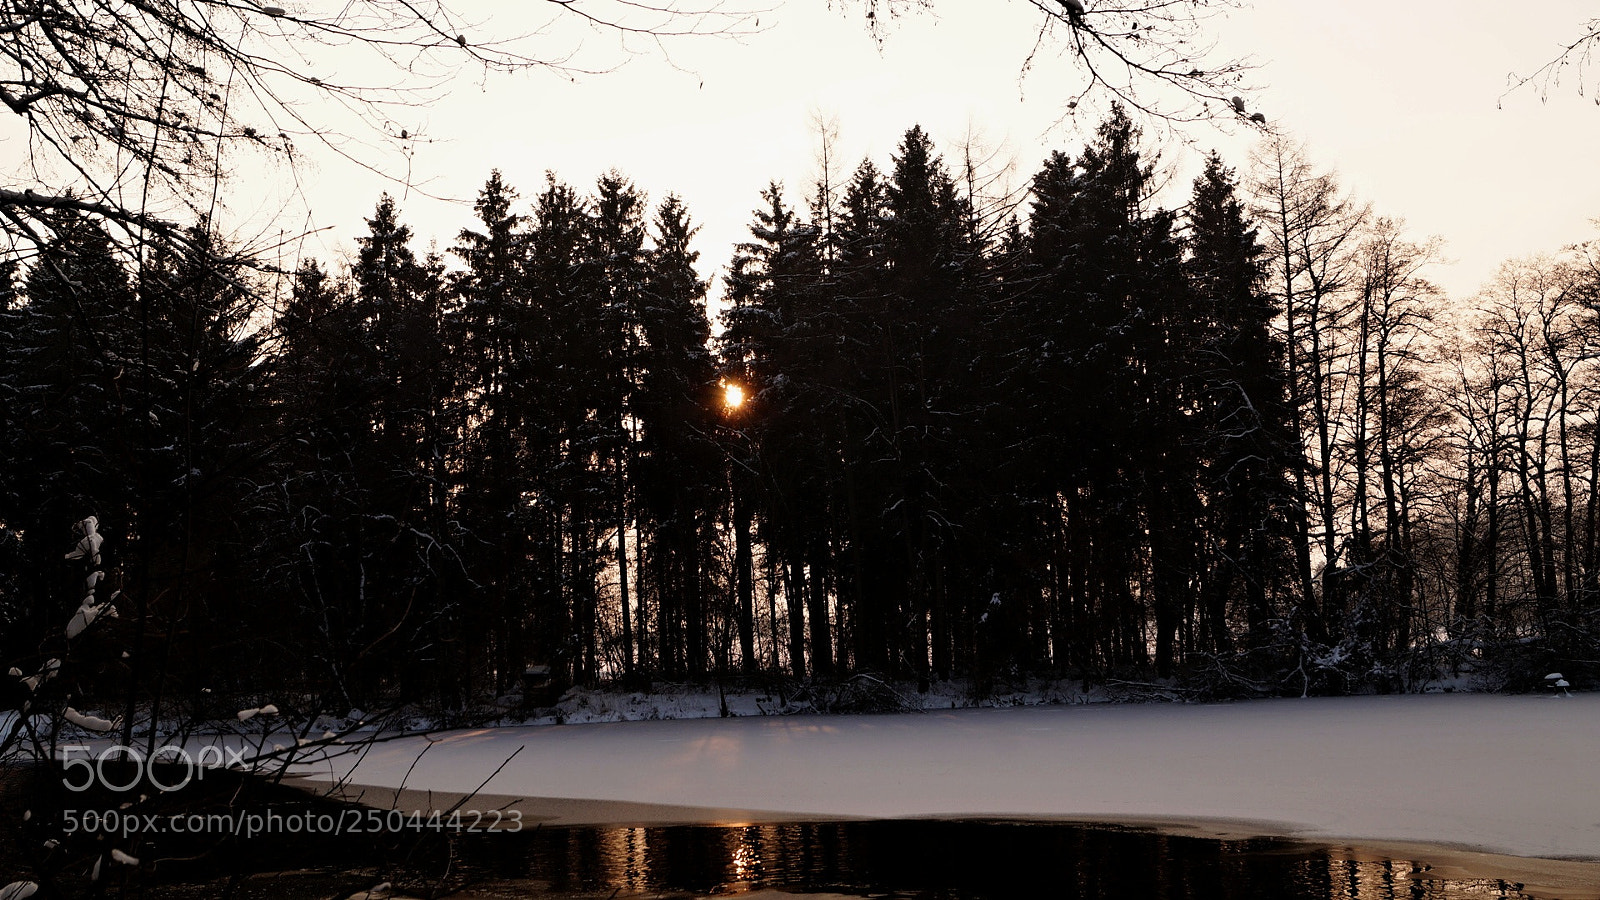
x=732 y=395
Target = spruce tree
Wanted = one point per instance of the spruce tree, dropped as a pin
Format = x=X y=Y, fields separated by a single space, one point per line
x=1247 y=446
x=772 y=287
x=312 y=548
x=1106 y=297
x=563 y=441
x=617 y=274
x=205 y=403
x=491 y=333
x=679 y=472
x=73 y=391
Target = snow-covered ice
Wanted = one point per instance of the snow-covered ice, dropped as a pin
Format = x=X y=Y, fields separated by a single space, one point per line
x=86 y=721
x=1513 y=775
x=19 y=890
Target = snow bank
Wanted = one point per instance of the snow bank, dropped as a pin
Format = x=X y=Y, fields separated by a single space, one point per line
x=695 y=701
x=1512 y=775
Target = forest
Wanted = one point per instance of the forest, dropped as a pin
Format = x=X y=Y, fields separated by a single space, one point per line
x=1241 y=446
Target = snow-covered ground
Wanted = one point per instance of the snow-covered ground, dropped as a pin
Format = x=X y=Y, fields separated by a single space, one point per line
x=687 y=701
x=1515 y=775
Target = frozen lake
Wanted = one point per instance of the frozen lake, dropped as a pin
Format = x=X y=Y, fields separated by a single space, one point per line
x=1461 y=775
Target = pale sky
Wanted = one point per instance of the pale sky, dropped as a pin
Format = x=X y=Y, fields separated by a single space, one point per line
x=1400 y=99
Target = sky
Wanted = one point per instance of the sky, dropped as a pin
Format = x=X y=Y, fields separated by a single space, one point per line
x=1406 y=102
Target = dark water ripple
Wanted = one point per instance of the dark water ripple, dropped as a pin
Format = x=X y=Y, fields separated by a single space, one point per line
x=945 y=860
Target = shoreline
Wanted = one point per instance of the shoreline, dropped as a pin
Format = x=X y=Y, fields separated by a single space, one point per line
x=1545 y=878
x=1487 y=786
x=1508 y=775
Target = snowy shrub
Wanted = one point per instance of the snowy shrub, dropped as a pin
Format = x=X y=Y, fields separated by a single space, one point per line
x=862 y=693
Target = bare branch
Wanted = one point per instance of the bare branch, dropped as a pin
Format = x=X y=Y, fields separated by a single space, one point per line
x=129 y=106
x=1575 y=59
x=1153 y=56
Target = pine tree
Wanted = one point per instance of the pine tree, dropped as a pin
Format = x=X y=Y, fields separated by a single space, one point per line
x=679 y=472
x=311 y=546
x=492 y=335
x=14 y=572
x=390 y=609
x=563 y=444
x=1105 y=294
x=934 y=270
x=74 y=391
x=1247 y=445
x=773 y=280
x=204 y=376
x=70 y=382
x=617 y=272
x=75 y=380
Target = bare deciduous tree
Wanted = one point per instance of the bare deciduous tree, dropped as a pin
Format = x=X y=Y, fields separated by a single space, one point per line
x=1312 y=232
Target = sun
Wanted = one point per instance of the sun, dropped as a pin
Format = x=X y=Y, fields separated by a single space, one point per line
x=732 y=395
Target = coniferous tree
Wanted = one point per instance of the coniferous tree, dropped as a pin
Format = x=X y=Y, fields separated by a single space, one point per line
x=617 y=274
x=570 y=498
x=394 y=623
x=75 y=396
x=134 y=402
x=74 y=379
x=1089 y=446
x=14 y=572
x=679 y=470
x=492 y=329
x=1106 y=297
x=322 y=405
x=772 y=283
x=203 y=359
x=870 y=586
x=1248 y=447
x=933 y=267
